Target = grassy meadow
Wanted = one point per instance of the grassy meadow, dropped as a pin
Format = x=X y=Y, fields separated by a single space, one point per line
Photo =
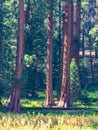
x=33 y=119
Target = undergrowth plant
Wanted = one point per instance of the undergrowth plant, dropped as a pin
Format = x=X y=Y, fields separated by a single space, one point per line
x=74 y=81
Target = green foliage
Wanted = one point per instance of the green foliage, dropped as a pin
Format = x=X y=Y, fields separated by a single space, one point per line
x=76 y=42
x=35 y=52
x=84 y=73
x=1 y=90
x=34 y=77
x=74 y=81
x=8 y=45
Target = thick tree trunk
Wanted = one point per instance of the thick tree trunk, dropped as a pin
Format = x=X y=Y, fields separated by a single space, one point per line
x=49 y=89
x=70 y=42
x=13 y=102
x=76 y=30
x=14 y=98
x=67 y=28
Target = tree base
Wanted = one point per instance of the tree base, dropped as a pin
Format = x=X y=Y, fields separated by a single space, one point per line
x=64 y=104
x=13 y=102
x=49 y=103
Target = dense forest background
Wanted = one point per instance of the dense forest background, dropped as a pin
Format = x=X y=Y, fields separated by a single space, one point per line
x=83 y=73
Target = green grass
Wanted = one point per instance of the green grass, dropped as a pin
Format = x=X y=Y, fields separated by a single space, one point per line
x=50 y=120
x=32 y=119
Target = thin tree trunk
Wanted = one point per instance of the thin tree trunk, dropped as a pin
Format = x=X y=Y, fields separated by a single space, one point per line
x=49 y=89
x=76 y=30
x=1 y=38
x=1 y=29
x=59 y=35
x=14 y=98
x=27 y=11
x=83 y=40
x=60 y=44
x=91 y=60
x=67 y=28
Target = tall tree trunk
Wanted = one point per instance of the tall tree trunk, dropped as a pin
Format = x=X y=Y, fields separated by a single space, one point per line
x=60 y=44
x=14 y=98
x=49 y=89
x=27 y=11
x=91 y=60
x=1 y=28
x=83 y=46
x=67 y=29
x=70 y=42
x=1 y=37
x=76 y=30
x=59 y=34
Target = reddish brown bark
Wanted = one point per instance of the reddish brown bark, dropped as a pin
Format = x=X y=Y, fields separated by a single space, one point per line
x=76 y=31
x=67 y=39
x=26 y=13
x=70 y=42
x=49 y=89
x=14 y=98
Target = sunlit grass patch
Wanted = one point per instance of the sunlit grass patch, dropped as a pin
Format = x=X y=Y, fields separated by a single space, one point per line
x=50 y=121
x=30 y=103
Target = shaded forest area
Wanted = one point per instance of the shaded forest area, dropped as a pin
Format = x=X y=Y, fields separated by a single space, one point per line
x=49 y=52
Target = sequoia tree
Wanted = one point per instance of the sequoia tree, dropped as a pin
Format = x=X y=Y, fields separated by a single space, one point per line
x=67 y=39
x=76 y=30
x=14 y=98
x=49 y=89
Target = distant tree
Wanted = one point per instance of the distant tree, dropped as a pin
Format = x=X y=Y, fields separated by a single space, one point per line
x=1 y=39
x=49 y=89
x=76 y=29
x=84 y=73
x=1 y=28
x=67 y=28
x=35 y=51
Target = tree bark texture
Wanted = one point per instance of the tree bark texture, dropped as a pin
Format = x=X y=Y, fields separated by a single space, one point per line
x=1 y=37
x=76 y=30
x=67 y=34
x=14 y=98
x=1 y=31
x=91 y=59
x=49 y=89
x=27 y=11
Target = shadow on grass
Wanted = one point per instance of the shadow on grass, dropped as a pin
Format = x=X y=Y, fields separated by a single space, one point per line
x=3 y=109
x=61 y=111
x=55 y=111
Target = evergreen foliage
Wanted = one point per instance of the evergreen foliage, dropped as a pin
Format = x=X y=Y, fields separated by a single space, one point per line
x=84 y=73
x=74 y=81
x=34 y=78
